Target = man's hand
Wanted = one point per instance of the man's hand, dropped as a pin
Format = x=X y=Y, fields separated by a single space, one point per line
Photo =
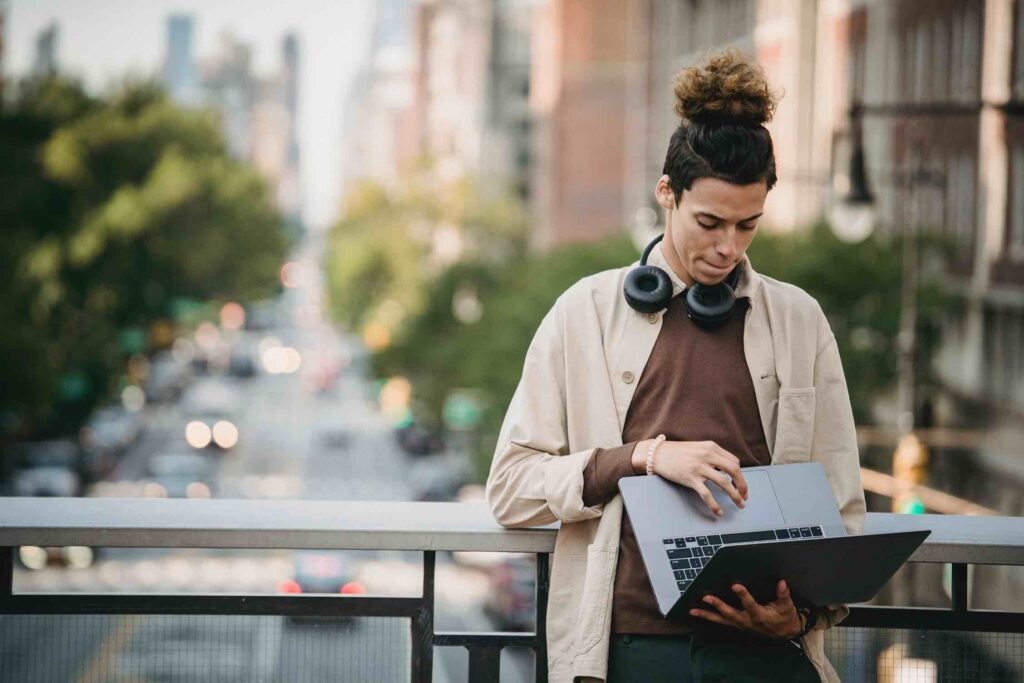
x=778 y=619
x=692 y=464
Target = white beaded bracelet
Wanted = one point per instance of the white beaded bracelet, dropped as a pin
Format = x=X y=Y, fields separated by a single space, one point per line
x=660 y=439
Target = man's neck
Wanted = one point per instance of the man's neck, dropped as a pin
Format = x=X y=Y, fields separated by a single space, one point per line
x=674 y=262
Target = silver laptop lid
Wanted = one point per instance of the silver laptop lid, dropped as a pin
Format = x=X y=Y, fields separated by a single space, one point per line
x=779 y=496
x=794 y=496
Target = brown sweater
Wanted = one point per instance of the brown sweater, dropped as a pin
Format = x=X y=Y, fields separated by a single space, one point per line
x=695 y=387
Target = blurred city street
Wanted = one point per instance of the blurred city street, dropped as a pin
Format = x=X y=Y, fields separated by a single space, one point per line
x=297 y=440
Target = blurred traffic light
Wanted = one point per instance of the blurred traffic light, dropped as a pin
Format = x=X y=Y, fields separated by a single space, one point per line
x=910 y=468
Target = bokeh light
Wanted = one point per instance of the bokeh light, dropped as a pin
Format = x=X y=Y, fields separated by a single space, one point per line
x=225 y=434
x=232 y=316
x=198 y=434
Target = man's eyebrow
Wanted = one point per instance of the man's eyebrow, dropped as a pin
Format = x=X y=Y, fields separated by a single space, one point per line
x=718 y=218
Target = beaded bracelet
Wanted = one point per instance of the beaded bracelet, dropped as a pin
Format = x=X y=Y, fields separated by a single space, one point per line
x=660 y=439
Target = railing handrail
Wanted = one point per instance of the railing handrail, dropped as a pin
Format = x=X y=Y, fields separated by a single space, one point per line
x=392 y=525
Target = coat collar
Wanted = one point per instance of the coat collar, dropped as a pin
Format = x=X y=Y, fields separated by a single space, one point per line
x=748 y=285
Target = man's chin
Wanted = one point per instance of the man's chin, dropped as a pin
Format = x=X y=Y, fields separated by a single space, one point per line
x=709 y=280
x=708 y=275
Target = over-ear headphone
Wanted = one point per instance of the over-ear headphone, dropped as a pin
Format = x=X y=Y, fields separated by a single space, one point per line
x=648 y=289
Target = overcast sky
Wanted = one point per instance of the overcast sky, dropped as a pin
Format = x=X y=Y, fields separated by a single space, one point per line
x=103 y=41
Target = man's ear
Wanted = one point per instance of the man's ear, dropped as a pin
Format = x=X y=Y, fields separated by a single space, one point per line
x=663 y=193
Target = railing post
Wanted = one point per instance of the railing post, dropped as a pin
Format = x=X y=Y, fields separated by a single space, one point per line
x=484 y=664
x=6 y=571
x=540 y=652
x=958 y=587
x=422 y=627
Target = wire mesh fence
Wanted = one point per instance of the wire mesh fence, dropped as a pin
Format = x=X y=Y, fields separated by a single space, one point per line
x=917 y=656
x=197 y=649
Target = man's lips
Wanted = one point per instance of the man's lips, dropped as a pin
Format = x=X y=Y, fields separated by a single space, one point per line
x=718 y=268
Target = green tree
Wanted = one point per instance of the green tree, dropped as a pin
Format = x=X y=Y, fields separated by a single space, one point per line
x=439 y=353
x=381 y=253
x=114 y=207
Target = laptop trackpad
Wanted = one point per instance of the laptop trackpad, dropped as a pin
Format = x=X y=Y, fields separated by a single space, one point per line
x=761 y=507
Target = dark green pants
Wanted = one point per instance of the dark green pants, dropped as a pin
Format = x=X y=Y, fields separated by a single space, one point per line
x=705 y=658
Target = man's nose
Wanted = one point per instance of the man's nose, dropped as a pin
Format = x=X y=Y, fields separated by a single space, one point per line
x=726 y=246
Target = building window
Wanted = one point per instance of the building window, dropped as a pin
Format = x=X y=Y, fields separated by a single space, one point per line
x=1016 y=222
x=922 y=66
x=970 y=63
x=907 y=86
x=956 y=54
x=940 y=66
x=1018 y=49
x=1004 y=354
x=960 y=195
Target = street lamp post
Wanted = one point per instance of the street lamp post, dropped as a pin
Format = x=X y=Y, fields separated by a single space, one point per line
x=853 y=219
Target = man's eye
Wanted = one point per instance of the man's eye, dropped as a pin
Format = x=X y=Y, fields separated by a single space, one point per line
x=706 y=225
x=748 y=227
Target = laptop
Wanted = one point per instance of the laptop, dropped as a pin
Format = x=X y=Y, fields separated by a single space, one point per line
x=790 y=528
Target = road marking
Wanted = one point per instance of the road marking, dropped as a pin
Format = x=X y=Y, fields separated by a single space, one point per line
x=112 y=646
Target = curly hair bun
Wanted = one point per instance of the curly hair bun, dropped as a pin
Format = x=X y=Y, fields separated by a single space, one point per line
x=726 y=89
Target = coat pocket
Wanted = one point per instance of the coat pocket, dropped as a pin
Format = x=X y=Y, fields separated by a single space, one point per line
x=795 y=430
x=596 y=598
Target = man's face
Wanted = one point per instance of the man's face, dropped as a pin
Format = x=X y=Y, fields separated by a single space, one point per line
x=711 y=228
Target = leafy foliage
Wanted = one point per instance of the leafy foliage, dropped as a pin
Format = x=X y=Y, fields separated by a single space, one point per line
x=113 y=208
x=391 y=241
x=439 y=353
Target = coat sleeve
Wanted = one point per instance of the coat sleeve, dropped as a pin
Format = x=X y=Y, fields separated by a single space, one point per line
x=834 y=444
x=534 y=479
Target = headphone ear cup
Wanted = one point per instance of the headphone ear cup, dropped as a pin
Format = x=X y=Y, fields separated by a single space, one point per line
x=648 y=289
x=710 y=306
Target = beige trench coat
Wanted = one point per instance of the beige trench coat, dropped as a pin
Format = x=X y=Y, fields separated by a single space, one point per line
x=578 y=380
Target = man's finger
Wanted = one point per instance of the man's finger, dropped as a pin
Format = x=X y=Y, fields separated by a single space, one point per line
x=733 y=469
x=729 y=456
x=741 y=484
x=724 y=483
x=725 y=609
x=710 y=616
x=749 y=603
x=782 y=596
x=708 y=499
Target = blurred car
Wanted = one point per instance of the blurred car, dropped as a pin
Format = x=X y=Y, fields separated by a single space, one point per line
x=106 y=435
x=73 y=556
x=242 y=361
x=180 y=475
x=417 y=439
x=210 y=409
x=167 y=377
x=261 y=316
x=438 y=479
x=510 y=601
x=48 y=468
x=322 y=571
x=242 y=365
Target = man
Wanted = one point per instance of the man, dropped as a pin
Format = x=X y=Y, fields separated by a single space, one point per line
x=617 y=386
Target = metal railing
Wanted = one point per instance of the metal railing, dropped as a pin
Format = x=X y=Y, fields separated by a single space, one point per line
x=423 y=527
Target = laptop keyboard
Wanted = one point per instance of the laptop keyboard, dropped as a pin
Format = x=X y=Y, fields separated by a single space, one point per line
x=689 y=554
